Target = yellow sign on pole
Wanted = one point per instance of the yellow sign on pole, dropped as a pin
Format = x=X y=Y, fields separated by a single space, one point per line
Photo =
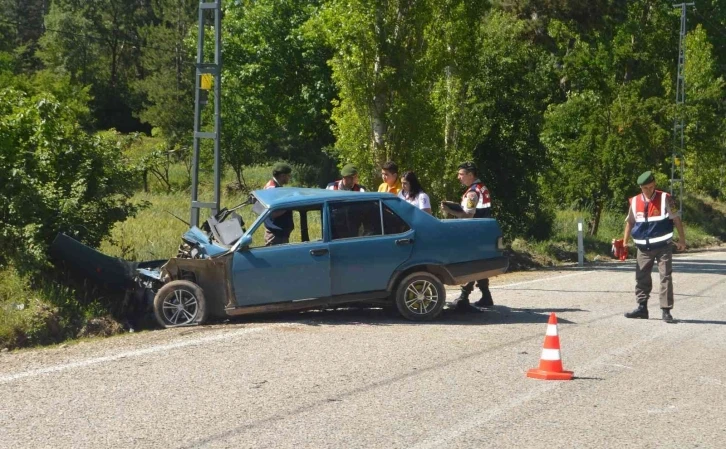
x=207 y=81
x=677 y=161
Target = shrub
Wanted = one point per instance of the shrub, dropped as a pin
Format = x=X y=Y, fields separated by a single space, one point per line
x=56 y=178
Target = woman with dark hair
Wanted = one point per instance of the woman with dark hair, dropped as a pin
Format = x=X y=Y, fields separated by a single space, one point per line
x=412 y=193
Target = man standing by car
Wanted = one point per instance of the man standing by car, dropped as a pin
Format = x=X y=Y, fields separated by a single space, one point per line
x=280 y=223
x=349 y=180
x=391 y=181
x=650 y=220
x=475 y=203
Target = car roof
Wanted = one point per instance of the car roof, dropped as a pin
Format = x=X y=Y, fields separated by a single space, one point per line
x=292 y=196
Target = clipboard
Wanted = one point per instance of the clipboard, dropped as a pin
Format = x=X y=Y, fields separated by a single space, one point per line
x=453 y=206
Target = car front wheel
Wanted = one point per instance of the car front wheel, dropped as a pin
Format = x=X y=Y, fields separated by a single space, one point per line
x=180 y=303
x=420 y=296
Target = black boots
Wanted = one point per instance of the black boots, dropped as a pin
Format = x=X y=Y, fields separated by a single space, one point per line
x=486 y=301
x=640 y=312
x=460 y=303
x=667 y=317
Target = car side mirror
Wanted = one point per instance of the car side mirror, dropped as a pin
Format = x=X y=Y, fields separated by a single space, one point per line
x=245 y=241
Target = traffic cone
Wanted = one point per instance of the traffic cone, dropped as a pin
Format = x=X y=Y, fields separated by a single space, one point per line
x=550 y=363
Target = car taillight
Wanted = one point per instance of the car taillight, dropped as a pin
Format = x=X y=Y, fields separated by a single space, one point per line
x=500 y=243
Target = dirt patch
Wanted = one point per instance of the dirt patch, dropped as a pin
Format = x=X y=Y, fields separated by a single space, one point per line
x=100 y=327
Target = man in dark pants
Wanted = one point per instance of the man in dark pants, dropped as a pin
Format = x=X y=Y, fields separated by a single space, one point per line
x=280 y=223
x=476 y=203
x=650 y=220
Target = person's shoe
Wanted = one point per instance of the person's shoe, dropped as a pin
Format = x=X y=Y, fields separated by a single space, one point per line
x=667 y=317
x=640 y=312
x=460 y=303
x=486 y=301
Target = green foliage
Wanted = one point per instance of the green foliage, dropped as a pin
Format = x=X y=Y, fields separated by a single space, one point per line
x=277 y=86
x=168 y=57
x=56 y=178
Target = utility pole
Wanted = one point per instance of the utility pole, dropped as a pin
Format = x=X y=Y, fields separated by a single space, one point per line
x=679 y=144
x=207 y=75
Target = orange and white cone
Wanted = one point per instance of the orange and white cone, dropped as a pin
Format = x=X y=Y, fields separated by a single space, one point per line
x=550 y=363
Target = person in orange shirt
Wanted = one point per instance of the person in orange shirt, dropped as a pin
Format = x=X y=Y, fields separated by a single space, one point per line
x=391 y=180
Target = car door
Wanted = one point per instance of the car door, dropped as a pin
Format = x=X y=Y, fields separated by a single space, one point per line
x=362 y=255
x=296 y=271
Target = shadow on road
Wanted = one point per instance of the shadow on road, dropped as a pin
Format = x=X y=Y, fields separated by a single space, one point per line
x=385 y=317
x=700 y=321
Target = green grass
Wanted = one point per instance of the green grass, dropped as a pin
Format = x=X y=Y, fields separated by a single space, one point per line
x=704 y=221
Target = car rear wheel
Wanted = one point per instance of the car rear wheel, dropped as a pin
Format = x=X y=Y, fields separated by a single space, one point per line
x=420 y=296
x=180 y=303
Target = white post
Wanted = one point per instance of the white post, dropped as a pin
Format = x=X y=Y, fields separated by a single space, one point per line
x=580 y=244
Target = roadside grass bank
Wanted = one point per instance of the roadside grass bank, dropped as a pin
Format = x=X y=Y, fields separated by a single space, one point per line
x=41 y=311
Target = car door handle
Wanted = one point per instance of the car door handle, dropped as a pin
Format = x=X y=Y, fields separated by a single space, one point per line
x=404 y=241
x=319 y=251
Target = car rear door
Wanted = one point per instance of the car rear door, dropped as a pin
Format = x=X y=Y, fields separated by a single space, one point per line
x=368 y=241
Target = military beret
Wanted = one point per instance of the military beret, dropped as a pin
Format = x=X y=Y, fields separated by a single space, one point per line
x=349 y=170
x=468 y=166
x=281 y=168
x=645 y=178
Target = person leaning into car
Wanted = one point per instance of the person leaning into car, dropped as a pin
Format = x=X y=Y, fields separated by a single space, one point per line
x=475 y=203
x=279 y=225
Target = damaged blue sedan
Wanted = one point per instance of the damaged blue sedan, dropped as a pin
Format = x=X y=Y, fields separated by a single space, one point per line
x=345 y=248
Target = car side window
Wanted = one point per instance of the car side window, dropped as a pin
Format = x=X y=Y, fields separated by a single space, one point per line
x=290 y=226
x=392 y=223
x=358 y=219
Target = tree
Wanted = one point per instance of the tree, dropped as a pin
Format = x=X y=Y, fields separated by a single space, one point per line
x=383 y=110
x=98 y=44
x=167 y=60
x=277 y=88
x=511 y=85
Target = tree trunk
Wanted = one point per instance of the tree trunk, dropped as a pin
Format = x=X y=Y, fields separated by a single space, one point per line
x=596 y=215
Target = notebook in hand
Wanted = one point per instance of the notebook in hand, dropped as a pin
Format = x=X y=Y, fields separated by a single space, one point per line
x=453 y=206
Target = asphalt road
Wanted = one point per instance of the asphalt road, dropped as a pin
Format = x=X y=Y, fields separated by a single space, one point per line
x=359 y=378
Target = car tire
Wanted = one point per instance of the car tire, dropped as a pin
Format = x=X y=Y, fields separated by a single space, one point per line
x=420 y=296
x=180 y=303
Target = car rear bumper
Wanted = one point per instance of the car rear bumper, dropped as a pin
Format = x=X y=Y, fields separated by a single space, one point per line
x=464 y=272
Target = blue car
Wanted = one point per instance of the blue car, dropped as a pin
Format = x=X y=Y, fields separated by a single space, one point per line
x=345 y=247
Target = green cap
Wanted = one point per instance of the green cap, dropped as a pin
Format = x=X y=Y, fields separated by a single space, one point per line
x=645 y=178
x=281 y=168
x=349 y=170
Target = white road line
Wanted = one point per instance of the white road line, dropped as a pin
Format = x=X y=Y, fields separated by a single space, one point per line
x=128 y=354
x=438 y=441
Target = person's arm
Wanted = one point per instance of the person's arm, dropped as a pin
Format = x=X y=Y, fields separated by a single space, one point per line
x=681 y=243
x=469 y=207
x=424 y=203
x=629 y=222
x=626 y=235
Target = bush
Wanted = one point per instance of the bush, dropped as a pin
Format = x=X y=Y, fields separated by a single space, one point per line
x=56 y=179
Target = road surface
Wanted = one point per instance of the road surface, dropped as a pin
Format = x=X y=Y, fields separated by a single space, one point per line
x=364 y=379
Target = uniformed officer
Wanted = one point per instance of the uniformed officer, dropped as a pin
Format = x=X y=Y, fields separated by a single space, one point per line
x=650 y=221
x=279 y=225
x=349 y=180
x=475 y=203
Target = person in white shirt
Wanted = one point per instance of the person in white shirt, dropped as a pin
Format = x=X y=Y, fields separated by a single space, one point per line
x=412 y=193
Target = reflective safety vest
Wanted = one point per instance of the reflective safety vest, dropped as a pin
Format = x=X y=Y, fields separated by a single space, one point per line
x=335 y=185
x=653 y=224
x=484 y=204
x=272 y=183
